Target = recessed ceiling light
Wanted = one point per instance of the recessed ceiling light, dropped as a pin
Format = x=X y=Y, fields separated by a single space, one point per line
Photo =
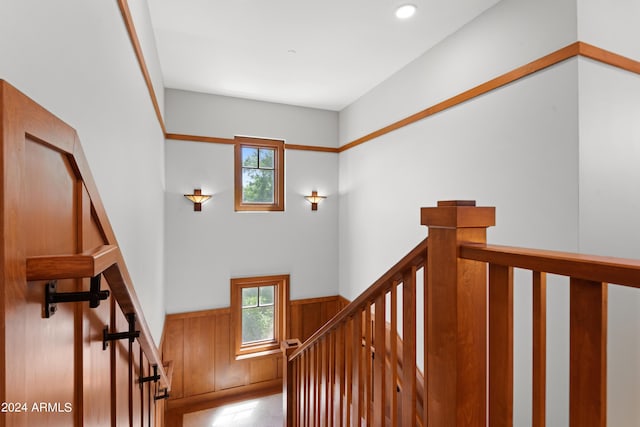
x=405 y=11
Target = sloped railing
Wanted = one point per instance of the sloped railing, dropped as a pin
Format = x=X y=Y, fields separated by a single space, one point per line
x=335 y=377
x=465 y=335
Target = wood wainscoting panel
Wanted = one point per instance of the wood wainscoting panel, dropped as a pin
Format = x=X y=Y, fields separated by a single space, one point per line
x=173 y=349
x=96 y=402
x=206 y=371
x=121 y=371
x=136 y=394
x=199 y=356
x=148 y=390
x=97 y=394
x=45 y=348
x=263 y=369
x=308 y=315
x=231 y=373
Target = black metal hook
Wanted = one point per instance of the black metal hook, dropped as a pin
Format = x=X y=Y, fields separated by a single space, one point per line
x=53 y=297
x=131 y=334
x=164 y=395
x=155 y=377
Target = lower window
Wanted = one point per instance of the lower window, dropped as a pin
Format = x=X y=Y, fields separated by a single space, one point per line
x=258 y=310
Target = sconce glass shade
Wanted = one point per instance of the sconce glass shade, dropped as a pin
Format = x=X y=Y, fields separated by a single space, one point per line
x=198 y=199
x=314 y=199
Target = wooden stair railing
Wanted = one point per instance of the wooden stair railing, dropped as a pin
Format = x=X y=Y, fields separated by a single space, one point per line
x=589 y=277
x=333 y=377
x=332 y=380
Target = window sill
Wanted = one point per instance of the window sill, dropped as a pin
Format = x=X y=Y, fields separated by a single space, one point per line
x=270 y=352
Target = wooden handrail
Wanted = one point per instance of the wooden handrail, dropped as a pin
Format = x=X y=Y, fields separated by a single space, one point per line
x=619 y=271
x=87 y=264
x=416 y=257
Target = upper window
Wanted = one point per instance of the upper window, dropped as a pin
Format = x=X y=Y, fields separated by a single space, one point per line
x=259 y=174
x=258 y=309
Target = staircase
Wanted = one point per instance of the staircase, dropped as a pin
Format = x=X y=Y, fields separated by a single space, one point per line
x=465 y=335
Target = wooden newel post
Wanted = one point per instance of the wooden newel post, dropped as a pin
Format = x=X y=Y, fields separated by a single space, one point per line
x=288 y=385
x=456 y=315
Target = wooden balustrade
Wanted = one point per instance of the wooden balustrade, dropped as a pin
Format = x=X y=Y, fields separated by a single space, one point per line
x=361 y=367
x=342 y=371
x=589 y=276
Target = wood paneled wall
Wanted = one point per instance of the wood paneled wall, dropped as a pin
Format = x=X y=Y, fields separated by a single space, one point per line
x=54 y=371
x=205 y=369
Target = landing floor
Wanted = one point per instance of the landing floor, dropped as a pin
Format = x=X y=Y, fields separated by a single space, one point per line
x=261 y=412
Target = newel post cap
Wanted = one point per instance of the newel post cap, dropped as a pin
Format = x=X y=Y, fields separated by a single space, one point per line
x=458 y=214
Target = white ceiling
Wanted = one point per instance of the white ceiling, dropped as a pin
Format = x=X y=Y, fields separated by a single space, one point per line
x=322 y=54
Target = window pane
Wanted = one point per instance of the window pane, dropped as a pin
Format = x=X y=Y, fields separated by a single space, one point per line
x=257 y=324
x=249 y=157
x=249 y=297
x=266 y=158
x=257 y=186
x=266 y=295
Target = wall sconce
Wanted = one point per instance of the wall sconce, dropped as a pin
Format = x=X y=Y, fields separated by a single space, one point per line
x=314 y=199
x=198 y=199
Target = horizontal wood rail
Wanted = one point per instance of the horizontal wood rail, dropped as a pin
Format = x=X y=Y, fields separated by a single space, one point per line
x=232 y=141
x=618 y=271
x=573 y=50
x=589 y=278
x=334 y=377
x=87 y=264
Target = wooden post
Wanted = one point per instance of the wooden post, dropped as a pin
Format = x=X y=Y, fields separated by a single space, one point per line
x=288 y=378
x=456 y=315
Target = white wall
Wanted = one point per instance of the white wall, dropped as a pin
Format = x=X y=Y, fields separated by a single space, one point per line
x=74 y=57
x=560 y=165
x=196 y=113
x=609 y=212
x=205 y=249
x=611 y=25
x=506 y=36
x=506 y=149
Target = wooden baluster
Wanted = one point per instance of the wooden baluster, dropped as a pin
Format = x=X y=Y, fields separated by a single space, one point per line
x=409 y=348
x=322 y=398
x=339 y=376
x=321 y=402
x=314 y=385
x=425 y=331
x=330 y=387
x=289 y=389
x=348 y=403
x=588 y=354
x=393 y=343
x=500 y=345
x=299 y=392
x=307 y=387
x=379 y=362
x=368 y=373
x=456 y=330
x=539 y=382
x=356 y=404
x=326 y=401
